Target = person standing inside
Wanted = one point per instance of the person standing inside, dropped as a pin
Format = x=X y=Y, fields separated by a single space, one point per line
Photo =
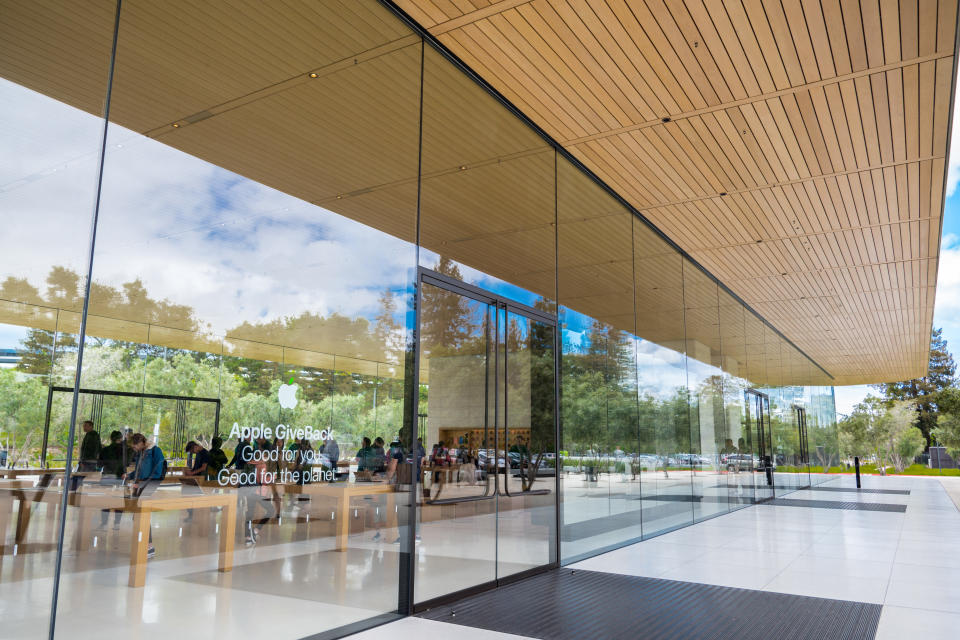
x=89 y=448
x=365 y=459
x=201 y=461
x=111 y=462
x=242 y=454
x=331 y=455
x=379 y=457
x=218 y=459
x=148 y=471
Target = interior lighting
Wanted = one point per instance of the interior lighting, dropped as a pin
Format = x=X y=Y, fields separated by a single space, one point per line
x=314 y=74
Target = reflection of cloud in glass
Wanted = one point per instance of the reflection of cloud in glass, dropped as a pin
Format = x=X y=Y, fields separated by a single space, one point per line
x=231 y=249
x=660 y=370
x=47 y=183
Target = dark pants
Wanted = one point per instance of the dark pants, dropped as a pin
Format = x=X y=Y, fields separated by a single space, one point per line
x=254 y=499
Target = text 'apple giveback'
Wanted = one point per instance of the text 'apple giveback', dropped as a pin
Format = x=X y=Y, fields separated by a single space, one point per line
x=287 y=394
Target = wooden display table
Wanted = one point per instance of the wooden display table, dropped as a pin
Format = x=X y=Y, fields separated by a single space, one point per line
x=90 y=502
x=342 y=492
x=16 y=473
x=444 y=474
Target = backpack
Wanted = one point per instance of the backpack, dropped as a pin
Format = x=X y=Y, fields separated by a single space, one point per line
x=163 y=469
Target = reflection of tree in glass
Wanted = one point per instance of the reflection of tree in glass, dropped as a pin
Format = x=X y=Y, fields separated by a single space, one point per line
x=349 y=402
x=445 y=324
x=541 y=347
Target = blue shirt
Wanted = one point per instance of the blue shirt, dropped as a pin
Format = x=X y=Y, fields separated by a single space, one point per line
x=149 y=464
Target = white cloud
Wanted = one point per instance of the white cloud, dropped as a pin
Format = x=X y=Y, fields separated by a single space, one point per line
x=953 y=170
x=197 y=235
x=947 y=311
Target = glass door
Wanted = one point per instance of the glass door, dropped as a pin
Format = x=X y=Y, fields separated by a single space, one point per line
x=487 y=410
x=527 y=498
x=803 y=455
x=759 y=456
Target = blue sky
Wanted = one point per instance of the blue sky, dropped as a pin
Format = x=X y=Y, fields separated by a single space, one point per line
x=947 y=311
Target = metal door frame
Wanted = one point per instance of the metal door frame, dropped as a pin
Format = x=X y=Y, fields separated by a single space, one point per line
x=801 y=416
x=499 y=303
x=761 y=401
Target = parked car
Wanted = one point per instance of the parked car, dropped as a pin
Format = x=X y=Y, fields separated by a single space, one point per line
x=740 y=462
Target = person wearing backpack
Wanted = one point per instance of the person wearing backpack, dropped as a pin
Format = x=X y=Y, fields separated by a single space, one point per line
x=149 y=470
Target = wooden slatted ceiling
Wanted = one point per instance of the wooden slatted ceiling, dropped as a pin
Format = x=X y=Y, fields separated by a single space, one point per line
x=812 y=201
x=825 y=122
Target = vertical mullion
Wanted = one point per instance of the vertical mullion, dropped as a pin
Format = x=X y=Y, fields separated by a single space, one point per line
x=71 y=436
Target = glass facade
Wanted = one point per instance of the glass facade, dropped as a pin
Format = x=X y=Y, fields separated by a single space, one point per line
x=356 y=338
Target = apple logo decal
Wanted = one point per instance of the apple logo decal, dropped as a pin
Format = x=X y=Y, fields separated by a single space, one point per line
x=288 y=395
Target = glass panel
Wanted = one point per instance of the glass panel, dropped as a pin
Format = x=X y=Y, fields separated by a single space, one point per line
x=254 y=269
x=822 y=433
x=708 y=429
x=487 y=209
x=757 y=447
x=663 y=395
x=527 y=505
x=736 y=459
x=458 y=509
x=601 y=482
x=54 y=66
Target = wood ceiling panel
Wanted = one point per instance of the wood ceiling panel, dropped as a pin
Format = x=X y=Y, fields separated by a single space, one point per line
x=825 y=121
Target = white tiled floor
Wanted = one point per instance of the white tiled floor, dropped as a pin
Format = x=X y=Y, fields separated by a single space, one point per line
x=908 y=562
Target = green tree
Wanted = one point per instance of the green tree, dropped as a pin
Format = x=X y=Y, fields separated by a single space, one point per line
x=925 y=393
x=902 y=441
x=22 y=407
x=882 y=430
x=947 y=433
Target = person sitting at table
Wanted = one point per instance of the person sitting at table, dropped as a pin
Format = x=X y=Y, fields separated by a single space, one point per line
x=201 y=459
x=89 y=448
x=149 y=469
x=111 y=460
x=242 y=454
x=218 y=459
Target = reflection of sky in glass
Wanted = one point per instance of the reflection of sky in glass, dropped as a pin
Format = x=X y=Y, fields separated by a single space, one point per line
x=250 y=253
x=430 y=259
x=11 y=335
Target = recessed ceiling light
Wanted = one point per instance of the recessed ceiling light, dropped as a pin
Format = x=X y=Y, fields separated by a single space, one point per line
x=463 y=167
x=176 y=126
x=314 y=74
x=666 y=119
x=759 y=241
x=339 y=197
x=723 y=193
